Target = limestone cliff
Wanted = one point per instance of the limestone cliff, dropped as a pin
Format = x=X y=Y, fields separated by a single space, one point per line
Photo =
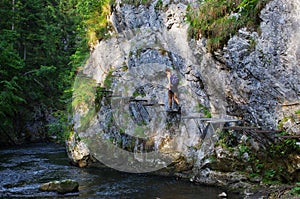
x=120 y=95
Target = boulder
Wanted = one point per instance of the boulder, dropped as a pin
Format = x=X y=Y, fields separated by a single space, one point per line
x=64 y=186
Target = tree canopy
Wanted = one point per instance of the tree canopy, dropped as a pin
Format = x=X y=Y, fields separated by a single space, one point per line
x=42 y=43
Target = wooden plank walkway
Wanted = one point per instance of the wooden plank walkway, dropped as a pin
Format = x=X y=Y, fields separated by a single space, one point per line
x=240 y=127
x=197 y=117
x=208 y=118
x=211 y=120
x=222 y=120
x=153 y=104
x=114 y=96
x=291 y=104
x=290 y=136
x=121 y=97
x=138 y=100
x=105 y=91
x=255 y=129
x=268 y=131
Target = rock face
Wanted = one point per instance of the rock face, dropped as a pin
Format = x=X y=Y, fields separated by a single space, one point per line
x=120 y=97
x=78 y=152
x=262 y=77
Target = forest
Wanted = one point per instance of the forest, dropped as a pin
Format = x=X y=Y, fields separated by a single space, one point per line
x=42 y=43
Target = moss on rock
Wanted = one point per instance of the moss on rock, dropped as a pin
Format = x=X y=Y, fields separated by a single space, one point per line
x=64 y=186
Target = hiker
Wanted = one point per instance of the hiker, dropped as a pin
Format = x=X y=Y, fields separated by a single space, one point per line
x=173 y=82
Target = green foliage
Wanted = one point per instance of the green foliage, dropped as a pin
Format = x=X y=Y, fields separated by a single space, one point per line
x=252 y=44
x=11 y=96
x=95 y=24
x=137 y=2
x=98 y=98
x=60 y=127
x=101 y=96
x=296 y=190
x=139 y=52
x=139 y=92
x=37 y=37
x=84 y=99
x=282 y=121
x=228 y=140
x=124 y=67
x=214 y=20
x=86 y=119
x=111 y=121
x=259 y=166
x=108 y=80
x=284 y=147
x=202 y=109
x=271 y=165
x=139 y=131
x=159 y=5
x=84 y=93
x=79 y=58
x=42 y=45
x=243 y=149
x=270 y=176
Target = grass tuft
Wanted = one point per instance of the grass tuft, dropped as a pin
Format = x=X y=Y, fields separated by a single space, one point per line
x=218 y=20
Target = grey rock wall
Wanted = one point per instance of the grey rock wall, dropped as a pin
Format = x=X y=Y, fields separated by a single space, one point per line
x=254 y=79
x=262 y=70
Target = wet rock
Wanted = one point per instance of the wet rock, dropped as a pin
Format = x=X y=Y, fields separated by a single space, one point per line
x=231 y=180
x=223 y=195
x=64 y=186
x=77 y=151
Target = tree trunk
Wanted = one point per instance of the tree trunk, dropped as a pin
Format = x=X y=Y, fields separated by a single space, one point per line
x=13 y=17
x=24 y=53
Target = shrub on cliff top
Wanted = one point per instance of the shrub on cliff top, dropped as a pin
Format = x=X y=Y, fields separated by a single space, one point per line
x=217 y=20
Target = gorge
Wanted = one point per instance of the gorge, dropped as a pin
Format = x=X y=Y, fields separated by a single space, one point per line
x=235 y=101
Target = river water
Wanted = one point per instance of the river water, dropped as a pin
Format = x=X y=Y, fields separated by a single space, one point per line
x=23 y=169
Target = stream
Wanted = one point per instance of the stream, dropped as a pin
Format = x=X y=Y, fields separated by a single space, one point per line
x=24 y=168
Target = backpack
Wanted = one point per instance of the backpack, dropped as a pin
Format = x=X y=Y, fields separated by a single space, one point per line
x=174 y=80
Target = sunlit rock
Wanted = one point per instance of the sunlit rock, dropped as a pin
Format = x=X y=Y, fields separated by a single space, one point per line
x=77 y=151
x=254 y=80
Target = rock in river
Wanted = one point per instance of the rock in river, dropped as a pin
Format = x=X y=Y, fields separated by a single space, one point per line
x=64 y=186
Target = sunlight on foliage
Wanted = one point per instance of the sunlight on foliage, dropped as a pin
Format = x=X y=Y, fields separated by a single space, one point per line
x=94 y=14
x=84 y=92
x=84 y=99
x=218 y=20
